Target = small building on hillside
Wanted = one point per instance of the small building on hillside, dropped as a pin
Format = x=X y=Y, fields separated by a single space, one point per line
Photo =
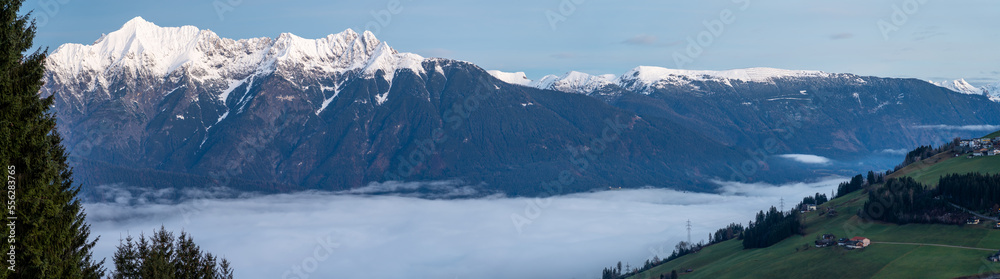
x=826 y=240
x=858 y=242
x=972 y=221
x=994 y=258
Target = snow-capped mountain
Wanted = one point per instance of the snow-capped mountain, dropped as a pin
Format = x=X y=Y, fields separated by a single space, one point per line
x=736 y=106
x=645 y=78
x=574 y=82
x=961 y=86
x=993 y=90
x=518 y=78
x=164 y=54
x=148 y=105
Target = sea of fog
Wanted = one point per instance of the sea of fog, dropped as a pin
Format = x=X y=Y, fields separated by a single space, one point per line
x=337 y=235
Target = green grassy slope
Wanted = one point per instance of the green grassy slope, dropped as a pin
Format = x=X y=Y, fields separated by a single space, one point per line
x=993 y=135
x=796 y=257
x=922 y=165
x=930 y=170
x=961 y=164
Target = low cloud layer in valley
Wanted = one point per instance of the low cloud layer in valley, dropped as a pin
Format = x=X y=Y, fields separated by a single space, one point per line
x=323 y=235
x=807 y=158
x=982 y=128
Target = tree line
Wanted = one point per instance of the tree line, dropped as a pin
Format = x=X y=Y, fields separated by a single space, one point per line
x=973 y=191
x=859 y=182
x=856 y=183
x=924 y=152
x=731 y=231
x=771 y=227
x=163 y=256
x=904 y=200
x=767 y=229
x=814 y=200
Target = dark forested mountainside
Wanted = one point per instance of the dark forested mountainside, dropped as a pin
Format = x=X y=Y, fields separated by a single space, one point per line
x=278 y=115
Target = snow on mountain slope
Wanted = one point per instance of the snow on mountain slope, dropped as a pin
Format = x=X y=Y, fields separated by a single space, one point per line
x=137 y=43
x=143 y=49
x=518 y=78
x=650 y=75
x=574 y=82
x=960 y=86
x=643 y=77
x=992 y=91
x=578 y=82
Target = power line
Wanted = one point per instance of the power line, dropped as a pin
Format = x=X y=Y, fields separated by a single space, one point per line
x=689 y=231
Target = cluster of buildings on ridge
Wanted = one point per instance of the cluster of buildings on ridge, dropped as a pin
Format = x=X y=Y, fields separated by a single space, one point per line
x=979 y=147
x=808 y=207
x=857 y=242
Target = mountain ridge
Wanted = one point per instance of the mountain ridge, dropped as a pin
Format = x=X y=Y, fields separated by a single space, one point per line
x=578 y=82
x=642 y=77
x=346 y=110
x=338 y=113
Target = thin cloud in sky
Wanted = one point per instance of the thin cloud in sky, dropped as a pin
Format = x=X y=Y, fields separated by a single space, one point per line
x=841 y=36
x=641 y=39
x=571 y=236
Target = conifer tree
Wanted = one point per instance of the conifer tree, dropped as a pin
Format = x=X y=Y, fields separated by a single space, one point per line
x=51 y=238
x=126 y=260
x=164 y=256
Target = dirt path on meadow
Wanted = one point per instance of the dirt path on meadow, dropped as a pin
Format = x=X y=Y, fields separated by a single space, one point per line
x=929 y=244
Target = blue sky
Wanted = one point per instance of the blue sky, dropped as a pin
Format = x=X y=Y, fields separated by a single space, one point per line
x=928 y=39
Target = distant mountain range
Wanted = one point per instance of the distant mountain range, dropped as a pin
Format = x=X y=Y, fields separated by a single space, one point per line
x=169 y=107
x=835 y=115
x=577 y=82
x=991 y=91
